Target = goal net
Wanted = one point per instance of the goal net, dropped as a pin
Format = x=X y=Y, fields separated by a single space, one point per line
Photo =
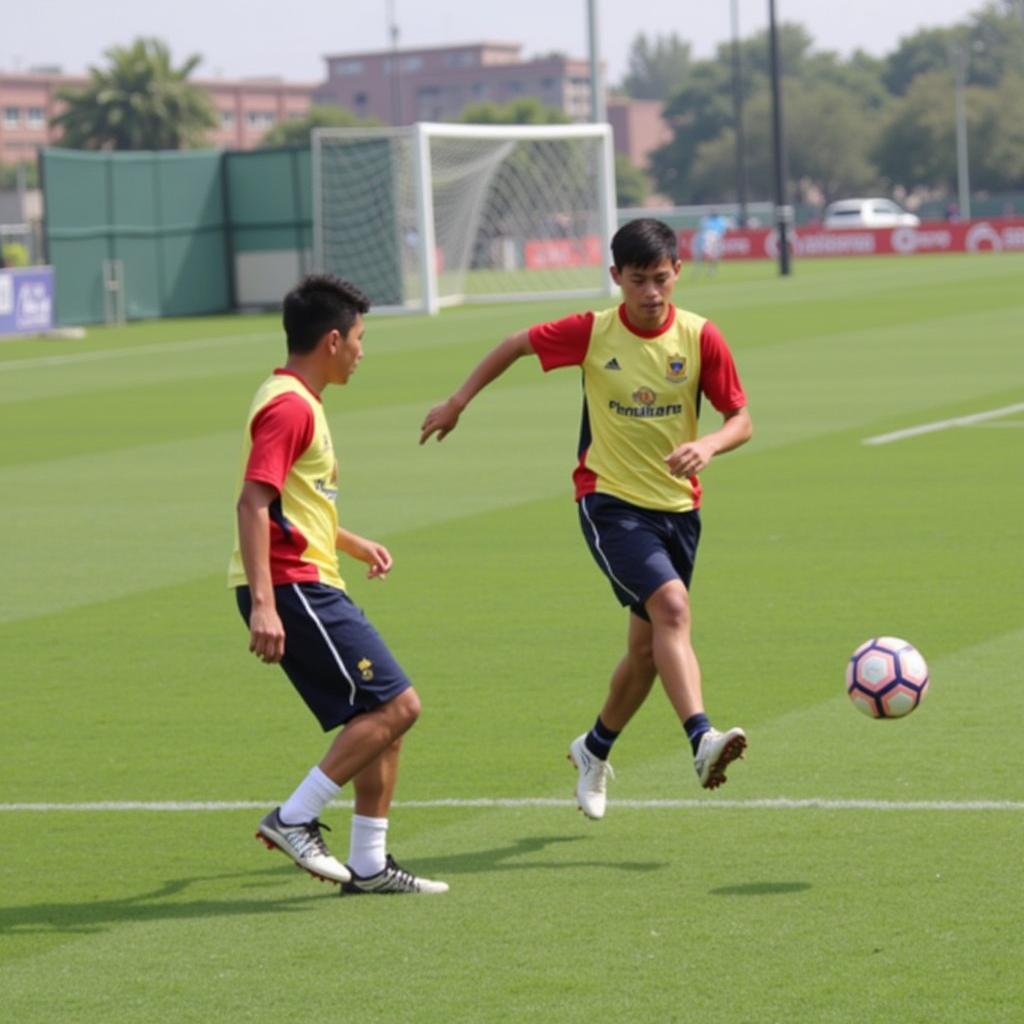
x=435 y=215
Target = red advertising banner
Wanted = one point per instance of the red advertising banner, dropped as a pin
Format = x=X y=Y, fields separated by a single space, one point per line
x=995 y=235
x=548 y=253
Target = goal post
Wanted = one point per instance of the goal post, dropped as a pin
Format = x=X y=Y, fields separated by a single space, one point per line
x=435 y=215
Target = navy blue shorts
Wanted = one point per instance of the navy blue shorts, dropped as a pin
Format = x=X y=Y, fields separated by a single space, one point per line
x=639 y=549
x=332 y=654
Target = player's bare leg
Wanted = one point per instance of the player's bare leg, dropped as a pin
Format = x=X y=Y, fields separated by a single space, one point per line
x=677 y=665
x=630 y=684
x=373 y=869
x=369 y=735
x=633 y=677
x=373 y=739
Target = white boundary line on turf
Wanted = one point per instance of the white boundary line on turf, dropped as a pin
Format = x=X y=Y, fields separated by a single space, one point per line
x=956 y=421
x=97 y=354
x=770 y=804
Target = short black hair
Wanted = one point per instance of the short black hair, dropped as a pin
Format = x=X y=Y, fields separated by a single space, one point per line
x=643 y=243
x=317 y=304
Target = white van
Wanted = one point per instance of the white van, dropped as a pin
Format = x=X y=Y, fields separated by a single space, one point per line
x=868 y=213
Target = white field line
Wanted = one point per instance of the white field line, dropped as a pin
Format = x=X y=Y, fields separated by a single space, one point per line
x=956 y=421
x=770 y=804
x=96 y=355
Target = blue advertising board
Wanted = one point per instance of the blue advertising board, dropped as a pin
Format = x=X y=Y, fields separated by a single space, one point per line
x=26 y=300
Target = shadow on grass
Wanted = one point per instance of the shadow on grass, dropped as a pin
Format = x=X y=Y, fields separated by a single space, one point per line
x=761 y=889
x=505 y=858
x=89 y=916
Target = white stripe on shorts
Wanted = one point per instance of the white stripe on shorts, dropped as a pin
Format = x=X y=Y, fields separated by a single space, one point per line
x=327 y=640
x=597 y=545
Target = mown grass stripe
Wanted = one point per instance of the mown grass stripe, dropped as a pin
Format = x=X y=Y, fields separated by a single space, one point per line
x=768 y=803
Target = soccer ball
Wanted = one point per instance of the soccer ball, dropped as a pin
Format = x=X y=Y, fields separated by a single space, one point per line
x=886 y=677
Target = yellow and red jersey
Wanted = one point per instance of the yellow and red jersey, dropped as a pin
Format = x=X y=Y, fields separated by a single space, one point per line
x=288 y=446
x=642 y=393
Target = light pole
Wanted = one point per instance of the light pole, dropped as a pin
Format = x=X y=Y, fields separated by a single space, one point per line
x=737 y=105
x=598 y=108
x=783 y=212
x=396 y=92
x=960 y=106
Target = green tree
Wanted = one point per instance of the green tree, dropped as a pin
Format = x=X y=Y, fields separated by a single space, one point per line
x=702 y=110
x=141 y=101
x=526 y=110
x=1003 y=157
x=631 y=184
x=296 y=131
x=926 y=51
x=994 y=42
x=698 y=113
x=657 y=68
x=9 y=176
x=829 y=138
x=916 y=144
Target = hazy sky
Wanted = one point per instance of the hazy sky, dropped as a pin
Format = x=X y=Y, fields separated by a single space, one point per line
x=260 y=37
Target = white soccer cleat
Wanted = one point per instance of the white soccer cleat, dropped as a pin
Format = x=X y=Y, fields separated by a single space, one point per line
x=393 y=879
x=716 y=751
x=304 y=844
x=592 y=785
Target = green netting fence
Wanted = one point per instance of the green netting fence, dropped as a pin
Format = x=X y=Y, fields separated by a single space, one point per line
x=137 y=235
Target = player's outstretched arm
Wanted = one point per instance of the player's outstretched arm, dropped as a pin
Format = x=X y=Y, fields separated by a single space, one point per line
x=443 y=417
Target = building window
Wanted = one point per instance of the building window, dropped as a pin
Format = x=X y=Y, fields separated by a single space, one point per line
x=460 y=59
x=347 y=67
x=12 y=117
x=259 y=119
x=227 y=119
x=361 y=100
x=36 y=117
x=515 y=88
x=410 y=64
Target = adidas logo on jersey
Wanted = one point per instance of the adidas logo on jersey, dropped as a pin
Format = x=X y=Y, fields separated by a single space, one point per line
x=612 y=364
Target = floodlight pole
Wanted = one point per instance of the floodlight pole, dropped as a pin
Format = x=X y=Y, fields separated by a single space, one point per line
x=598 y=107
x=783 y=211
x=962 y=163
x=396 y=93
x=737 y=104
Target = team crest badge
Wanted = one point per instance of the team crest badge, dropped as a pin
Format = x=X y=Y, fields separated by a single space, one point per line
x=644 y=396
x=676 y=369
x=366 y=669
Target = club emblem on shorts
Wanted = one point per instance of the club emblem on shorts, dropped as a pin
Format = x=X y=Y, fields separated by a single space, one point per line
x=676 y=369
x=366 y=668
x=644 y=396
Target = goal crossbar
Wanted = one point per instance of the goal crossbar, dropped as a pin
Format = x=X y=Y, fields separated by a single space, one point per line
x=432 y=215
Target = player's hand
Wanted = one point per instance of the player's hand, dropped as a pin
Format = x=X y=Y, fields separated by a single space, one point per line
x=690 y=458
x=379 y=559
x=266 y=635
x=441 y=420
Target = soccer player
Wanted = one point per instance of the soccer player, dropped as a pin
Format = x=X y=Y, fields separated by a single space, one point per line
x=285 y=573
x=709 y=240
x=645 y=365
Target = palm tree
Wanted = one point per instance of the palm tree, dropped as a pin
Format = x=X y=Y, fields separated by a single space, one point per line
x=141 y=101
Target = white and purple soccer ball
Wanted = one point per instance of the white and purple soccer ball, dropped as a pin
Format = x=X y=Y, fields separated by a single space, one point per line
x=886 y=677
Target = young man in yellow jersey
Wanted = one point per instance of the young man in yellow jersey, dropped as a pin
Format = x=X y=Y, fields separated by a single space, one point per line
x=645 y=366
x=285 y=573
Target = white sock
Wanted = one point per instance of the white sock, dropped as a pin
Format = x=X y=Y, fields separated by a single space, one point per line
x=315 y=792
x=369 y=847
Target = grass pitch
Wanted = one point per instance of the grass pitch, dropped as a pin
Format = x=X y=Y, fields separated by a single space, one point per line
x=851 y=871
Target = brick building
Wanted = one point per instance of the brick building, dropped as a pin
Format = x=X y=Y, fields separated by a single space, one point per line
x=437 y=83
x=429 y=84
x=246 y=109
